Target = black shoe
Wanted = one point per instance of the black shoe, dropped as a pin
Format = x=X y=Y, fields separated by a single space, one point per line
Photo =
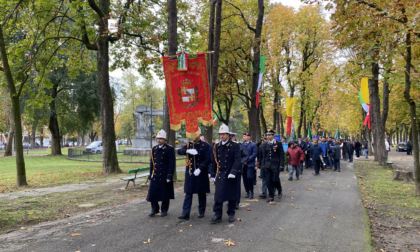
x=152 y=214
x=231 y=218
x=247 y=196
x=334 y=169
x=297 y=178
x=262 y=196
x=163 y=214
x=290 y=178
x=184 y=217
x=270 y=199
x=316 y=174
x=215 y=220
x=280 y=195
x=339 y=170
x=201 y=216
x=251 y=195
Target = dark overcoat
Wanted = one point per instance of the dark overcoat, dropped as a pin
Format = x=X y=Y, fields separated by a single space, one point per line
x=252 y=151
x=197 y=184
x=226 y=160
x=162 y=167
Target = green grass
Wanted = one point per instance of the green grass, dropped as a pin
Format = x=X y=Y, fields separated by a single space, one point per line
x=391 y=198
x=48 y=171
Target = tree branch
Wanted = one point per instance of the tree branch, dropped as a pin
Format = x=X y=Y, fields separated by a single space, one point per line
x=243 y=18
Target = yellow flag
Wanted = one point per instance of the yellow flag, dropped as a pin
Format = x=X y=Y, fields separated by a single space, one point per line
x=364 y=90
x=290 y=103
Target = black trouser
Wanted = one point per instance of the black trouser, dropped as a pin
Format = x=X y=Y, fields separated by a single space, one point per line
x=357 y=152
x=408 y=151
x=164 y=207
x=202 y=200
x=317 y=165
x=248 y=182
x=218 y=208
x=273 y=181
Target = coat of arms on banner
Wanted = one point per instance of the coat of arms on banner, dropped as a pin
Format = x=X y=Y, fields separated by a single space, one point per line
x=188 y=94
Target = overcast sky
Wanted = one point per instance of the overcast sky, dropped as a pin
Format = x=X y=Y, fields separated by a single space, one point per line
x=293 y=3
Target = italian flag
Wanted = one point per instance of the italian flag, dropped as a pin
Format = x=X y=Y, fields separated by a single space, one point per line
x=262 y=65
x=215 y=120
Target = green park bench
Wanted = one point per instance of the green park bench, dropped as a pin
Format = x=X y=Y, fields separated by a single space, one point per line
x=136 y=176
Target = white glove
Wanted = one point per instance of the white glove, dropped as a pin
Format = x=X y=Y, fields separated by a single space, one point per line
x=197 y=172
x=214 y=179
x=231 y=176
x=209 y=175
x=168 y=181
x=192 y=152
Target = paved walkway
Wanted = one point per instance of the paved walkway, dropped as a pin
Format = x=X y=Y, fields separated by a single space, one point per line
x=321 y=213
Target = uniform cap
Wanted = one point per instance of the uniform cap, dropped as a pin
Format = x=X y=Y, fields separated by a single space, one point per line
x=224 y=129
x=247 y=134
x=270 y=132
x=161 y=134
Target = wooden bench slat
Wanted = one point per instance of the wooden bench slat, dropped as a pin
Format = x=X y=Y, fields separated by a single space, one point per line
x=139 y=170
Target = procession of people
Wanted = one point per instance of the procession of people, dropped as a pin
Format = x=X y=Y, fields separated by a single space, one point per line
x=227 y=163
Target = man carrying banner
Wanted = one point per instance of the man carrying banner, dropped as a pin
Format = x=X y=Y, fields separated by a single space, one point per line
x=196 y=179
x=225 y=167
x=162 y=168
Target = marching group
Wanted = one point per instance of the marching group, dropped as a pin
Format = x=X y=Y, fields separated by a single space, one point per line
x=227 y=161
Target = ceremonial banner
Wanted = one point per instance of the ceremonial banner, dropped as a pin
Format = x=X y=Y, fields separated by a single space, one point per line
x=309 y=131
x=290 y=103
x=364 y=99
x=188 y=94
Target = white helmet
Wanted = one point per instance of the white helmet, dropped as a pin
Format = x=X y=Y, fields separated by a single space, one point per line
x=161 y=134
x=224 y=129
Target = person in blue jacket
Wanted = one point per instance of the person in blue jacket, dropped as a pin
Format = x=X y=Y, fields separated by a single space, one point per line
x=316 y=154
x=198 y=159
x=162 y=168
x=249 y=166
x=225 y=167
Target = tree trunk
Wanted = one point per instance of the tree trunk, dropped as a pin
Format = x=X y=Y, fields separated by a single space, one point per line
x=55 y=132
x=281 y=123
x=14 y=96
x=109 y=158
x=412 y=103
x=9 y=147
x=263 y=122
x=253 y=119
x=33 y=134
x=375 y=113
x=208 y=134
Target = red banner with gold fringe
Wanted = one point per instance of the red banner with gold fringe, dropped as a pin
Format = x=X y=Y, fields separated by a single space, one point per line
x=188 y=94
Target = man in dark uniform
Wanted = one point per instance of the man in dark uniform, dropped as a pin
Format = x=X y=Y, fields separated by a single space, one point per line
x=262 y=170
x=162 y=167
x=273 y=162
x=196 y=179
x=225 y=167
x=249 y=166
x=244 y=158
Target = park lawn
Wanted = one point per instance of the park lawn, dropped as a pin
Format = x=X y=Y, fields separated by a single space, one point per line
x=49 y=171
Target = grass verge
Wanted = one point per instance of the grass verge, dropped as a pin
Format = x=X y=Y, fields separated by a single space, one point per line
x=392 y=209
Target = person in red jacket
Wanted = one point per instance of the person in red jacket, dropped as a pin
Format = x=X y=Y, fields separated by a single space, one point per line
x=296 y=156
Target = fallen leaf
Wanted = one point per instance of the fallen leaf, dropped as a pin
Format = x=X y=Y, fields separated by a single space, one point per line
x=191 y=225
x=280 y=228
x=249 y=209
x=135 y=195
x=230 y=243
x=272 y=203
x=332 y=216
x=147 y=242
x=308 y=189
x=239 y=219
x=93 y=221
x=87 y=216
x=292 y=198
x=181 y=230
x=75 y=234
x=99 y=214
